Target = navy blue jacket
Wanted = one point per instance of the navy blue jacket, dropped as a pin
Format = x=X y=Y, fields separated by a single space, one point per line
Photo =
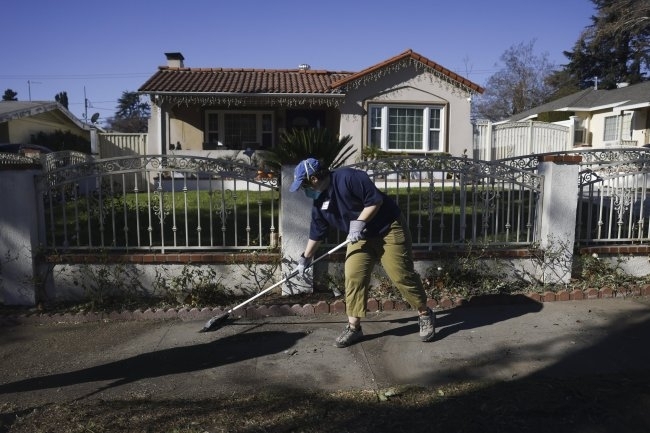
x=349 y=191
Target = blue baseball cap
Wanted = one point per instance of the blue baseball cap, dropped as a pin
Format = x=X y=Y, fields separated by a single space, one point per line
x=304 y=169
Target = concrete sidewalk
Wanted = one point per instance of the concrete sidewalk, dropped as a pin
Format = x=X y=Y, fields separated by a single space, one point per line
x=171 y=359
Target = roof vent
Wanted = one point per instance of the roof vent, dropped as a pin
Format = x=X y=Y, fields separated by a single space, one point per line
x=175 y=60
x=304 y=67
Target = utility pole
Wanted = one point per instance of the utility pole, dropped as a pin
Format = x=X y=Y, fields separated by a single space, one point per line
x=29 y=88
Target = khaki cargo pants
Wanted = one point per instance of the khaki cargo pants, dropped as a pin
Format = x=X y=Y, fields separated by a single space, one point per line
x=394 y=253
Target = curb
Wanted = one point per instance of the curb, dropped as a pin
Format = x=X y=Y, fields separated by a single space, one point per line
x=319 y=308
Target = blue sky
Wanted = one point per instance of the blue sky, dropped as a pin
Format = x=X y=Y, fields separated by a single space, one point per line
x=112 y=47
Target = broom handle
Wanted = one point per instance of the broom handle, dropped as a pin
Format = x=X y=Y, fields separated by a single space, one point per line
x=288 y=277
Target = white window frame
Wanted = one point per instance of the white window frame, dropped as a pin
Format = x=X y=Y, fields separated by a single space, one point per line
x=259 y=125
x=426 y=127
x=622 y=125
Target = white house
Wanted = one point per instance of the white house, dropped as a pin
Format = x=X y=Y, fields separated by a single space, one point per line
x=601 y=118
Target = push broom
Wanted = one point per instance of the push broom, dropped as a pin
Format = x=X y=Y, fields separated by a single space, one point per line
x=217 y=320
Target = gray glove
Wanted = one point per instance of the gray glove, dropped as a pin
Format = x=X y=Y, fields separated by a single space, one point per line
x=356 y=230
x=303 y=264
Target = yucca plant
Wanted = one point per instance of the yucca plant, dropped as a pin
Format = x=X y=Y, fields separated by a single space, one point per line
x=298 y=144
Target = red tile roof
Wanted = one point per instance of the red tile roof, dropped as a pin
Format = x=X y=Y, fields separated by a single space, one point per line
x=250 y=81
x=273 y=81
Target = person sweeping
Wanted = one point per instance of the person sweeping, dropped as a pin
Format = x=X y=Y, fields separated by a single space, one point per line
x=348 y=200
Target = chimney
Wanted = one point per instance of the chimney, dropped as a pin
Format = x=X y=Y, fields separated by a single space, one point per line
x=175 y=60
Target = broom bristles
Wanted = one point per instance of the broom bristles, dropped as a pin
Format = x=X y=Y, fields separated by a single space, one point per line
x=214 y=322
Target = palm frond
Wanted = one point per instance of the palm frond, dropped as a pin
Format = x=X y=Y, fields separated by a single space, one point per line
x=298 y=144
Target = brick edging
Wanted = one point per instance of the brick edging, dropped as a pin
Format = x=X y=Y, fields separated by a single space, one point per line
x=321 y=307
x=234 y=258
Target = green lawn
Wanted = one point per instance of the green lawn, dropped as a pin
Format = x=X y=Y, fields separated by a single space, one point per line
x=245 y=219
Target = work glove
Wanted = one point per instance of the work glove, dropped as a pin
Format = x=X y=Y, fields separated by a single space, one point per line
x=303 y=264
x=356 y=230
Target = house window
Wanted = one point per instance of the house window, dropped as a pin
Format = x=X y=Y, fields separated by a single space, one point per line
x=238 y=129
x=374 y=137
x=212 y=131
x=612 y=124
x=406 y=128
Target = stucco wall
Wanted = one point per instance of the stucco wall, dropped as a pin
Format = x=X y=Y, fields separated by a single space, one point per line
x=188 y=131
x=410 y=85
x=18 y=237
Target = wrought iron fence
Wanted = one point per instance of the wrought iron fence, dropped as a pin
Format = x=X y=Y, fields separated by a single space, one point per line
x=450 y=200
x=171 y=202
x=64 y=158
x=174 y=202
x=614 y=198
x=159 y=203
x=12 y=161
x=614 y=194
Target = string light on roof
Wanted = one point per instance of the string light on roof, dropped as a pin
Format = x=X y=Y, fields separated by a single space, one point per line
x=375 y=76
x=244 y=101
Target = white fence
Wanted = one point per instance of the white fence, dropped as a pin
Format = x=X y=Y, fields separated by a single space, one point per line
x=112 y=145
x=507 y=140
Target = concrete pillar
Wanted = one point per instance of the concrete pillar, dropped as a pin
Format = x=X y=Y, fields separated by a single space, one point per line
x=18 y=236
x=490 y=143
x=94 y=143
x=154 y=135
x=571 y=142
x=558 y=216
x=295 y=217
x=530 y=145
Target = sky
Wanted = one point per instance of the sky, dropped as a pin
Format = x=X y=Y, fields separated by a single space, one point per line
x=95 y=52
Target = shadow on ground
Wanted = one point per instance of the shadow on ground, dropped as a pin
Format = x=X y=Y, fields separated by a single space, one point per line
x=184 y=359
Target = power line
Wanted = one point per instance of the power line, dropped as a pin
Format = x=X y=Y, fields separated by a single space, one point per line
x=76 y=77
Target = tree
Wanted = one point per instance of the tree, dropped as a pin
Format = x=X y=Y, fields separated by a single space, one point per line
x=614 y=49
x=520 y=85
x=132 y=114
x=62 y=98
x=9 y=95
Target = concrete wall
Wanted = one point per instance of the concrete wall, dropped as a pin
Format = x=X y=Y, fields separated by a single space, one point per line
x=20 y=273
x=86 y=281
x=295 y=213
x=557 y=231
x=18 y=237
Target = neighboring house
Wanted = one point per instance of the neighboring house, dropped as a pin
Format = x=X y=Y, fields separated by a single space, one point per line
x=600 y=118
x=407 y=103
x=21 y=121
